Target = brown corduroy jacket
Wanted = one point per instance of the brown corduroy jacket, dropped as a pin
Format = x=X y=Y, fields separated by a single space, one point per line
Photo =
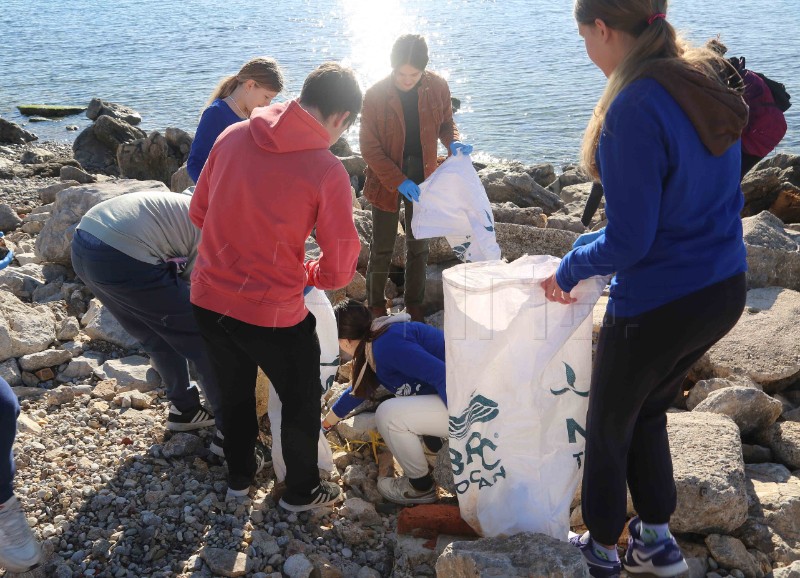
x=383 y=135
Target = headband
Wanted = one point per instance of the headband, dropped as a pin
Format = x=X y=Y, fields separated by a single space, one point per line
x=655 y=17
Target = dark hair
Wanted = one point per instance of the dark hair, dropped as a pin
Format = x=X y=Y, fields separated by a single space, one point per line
x=410 y=49
x=332 y=89
x=354 y=321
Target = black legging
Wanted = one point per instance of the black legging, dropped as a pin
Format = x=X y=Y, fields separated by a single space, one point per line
x=639 y=368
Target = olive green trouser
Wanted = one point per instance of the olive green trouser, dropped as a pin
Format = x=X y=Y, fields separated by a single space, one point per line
x=384 y=232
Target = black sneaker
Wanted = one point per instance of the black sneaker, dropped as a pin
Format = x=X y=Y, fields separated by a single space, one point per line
x=239 y=486
x=325 y=494
x=216 y=445
x=189 y=420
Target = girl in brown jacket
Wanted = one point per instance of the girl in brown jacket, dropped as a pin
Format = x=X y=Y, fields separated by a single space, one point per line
x=403 y=117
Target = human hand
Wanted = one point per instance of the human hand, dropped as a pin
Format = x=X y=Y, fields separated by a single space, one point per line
x=587 y=238
x=409 y=190
x=456 y=146
x=553 y=292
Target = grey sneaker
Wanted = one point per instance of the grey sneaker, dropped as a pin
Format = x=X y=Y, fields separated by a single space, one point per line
x=19 y=550
x=325 y=494
x=400 y=491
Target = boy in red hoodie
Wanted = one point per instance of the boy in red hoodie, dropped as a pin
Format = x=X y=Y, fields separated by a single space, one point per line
x=268 y=182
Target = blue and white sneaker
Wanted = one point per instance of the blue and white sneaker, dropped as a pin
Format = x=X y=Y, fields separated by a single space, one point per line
x=662 y=558
x=598 y=567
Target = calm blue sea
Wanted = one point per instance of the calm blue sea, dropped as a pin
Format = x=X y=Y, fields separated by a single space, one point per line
x=518 y=66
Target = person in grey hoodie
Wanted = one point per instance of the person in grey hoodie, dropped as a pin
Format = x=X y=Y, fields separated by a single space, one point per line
x=135 y=252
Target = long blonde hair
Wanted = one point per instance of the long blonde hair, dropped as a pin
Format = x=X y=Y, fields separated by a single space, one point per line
x=656 y=41
x=262 y=70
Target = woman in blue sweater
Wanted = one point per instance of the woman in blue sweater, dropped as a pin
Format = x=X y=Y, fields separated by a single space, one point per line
x=407 y=358
x=235 y=97
x=664 y=141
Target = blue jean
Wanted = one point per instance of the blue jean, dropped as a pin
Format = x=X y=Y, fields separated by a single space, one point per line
x=152 y=303
x=9 y=411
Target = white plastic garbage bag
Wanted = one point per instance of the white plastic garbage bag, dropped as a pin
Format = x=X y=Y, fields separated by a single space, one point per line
x=518 y=373
x=319 y=306
x=453 y=204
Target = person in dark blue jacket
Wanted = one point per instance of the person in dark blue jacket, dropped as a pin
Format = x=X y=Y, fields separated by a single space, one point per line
x=406 y=358
x=235 y=97
x=665 y=142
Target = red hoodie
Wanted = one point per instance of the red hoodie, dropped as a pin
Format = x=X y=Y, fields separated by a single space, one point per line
x=267 y=183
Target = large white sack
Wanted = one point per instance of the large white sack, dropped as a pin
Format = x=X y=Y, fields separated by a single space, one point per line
x=453 y=204
x=320 y=307
x=518 y=374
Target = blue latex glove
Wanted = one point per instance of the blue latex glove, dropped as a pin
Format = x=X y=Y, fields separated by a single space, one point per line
x=587 y=238
x=409 y=190
x=456 y=146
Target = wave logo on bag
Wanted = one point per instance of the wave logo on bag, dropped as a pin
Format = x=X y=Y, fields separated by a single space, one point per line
x=331 y=378
x=461 y=251
x=479 y=449
x=480 y=409
x=570 y=384
x=490 y=228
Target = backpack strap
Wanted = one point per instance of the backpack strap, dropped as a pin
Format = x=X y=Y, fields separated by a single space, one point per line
x=592 y=203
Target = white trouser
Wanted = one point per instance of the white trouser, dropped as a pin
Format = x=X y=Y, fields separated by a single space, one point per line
x=403 y=419
x=318 y=304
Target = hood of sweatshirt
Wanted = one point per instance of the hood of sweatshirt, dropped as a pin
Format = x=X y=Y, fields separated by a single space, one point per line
x=716 y=108
x=286 y=127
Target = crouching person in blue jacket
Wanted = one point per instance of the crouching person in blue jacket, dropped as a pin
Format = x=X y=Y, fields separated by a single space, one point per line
x=407 y=358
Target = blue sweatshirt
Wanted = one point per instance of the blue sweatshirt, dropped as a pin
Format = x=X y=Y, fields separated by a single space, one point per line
x=410 y=361
x=216 y=118
x=672 y=207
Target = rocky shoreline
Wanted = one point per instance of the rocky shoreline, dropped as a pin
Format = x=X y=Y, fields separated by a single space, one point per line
x=111 y=493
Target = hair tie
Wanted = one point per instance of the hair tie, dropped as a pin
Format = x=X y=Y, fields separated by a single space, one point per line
x=655 y=17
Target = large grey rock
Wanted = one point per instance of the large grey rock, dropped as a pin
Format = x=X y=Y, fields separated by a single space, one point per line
x=9 y=220
x=100 y=323
x=48 y=194
x=12 y=133
x=355 y=165
x=709 y=473
x=22 y=281
x=113 y=132
x=791 y=571
x=570 y=176
x=705 y=387
x=53 y=243
x=93 y=155
x=223 y=562
x=75 y=175
x=150 y=158
x=773 y=519
x=518 y=240
x=298 y=566
x=760 y=189
x=24 y=329
x=731 y=554
x=47 y=358
x=749 y=408
x=518 y=188
x=773 y=252
x=510 y=213
x=79 y=367
x=764 y=345
x=358 y=427
x=784 y=440
x=98 y=108
x=96 y=147
x=181 y=444
x=526 y=554
x=133 y=372
x=180 y=180
x=9 y=370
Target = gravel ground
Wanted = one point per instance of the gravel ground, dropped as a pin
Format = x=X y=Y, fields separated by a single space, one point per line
x=105 y=500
